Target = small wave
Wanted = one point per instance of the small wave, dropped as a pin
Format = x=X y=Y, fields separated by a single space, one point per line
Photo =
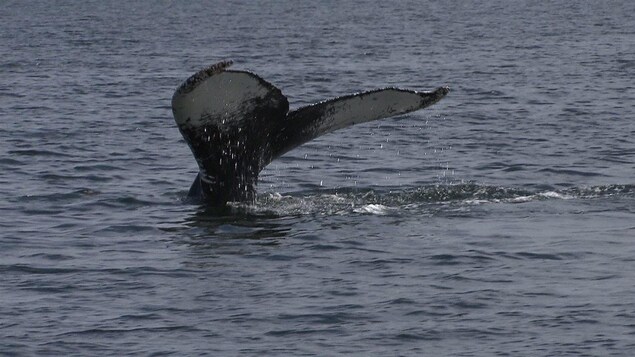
x=572 y=172
x=34 y=152
x=29 y=269
x=11 y=162
x=61 y=196
x=115 y=331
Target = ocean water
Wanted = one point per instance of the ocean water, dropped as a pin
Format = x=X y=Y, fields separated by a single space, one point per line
x=500 y=221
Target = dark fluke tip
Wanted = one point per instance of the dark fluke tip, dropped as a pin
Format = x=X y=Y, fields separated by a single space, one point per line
x=443 y=91
x=434 y=96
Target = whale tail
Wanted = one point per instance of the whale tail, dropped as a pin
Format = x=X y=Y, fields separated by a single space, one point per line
x=236 y=123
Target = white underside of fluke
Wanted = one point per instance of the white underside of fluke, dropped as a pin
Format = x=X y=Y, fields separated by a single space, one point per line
x=219 y=100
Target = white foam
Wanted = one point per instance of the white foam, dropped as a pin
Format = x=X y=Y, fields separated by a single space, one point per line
x=372 y=209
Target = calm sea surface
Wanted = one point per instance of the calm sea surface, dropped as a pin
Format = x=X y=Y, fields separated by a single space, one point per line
x=500 y=221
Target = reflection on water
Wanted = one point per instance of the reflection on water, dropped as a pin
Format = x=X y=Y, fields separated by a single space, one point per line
x=234 y=222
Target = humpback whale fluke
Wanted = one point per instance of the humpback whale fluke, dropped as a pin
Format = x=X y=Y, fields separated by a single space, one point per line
x=236 y=123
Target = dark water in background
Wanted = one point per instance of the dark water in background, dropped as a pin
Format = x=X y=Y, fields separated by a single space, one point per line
x=498 y=222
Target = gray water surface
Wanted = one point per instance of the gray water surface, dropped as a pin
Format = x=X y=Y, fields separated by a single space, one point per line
x=497 y=222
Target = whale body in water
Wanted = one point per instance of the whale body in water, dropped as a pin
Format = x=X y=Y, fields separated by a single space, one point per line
x=236 y=123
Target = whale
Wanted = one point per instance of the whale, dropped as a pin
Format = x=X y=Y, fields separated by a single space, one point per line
x=236 y=123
